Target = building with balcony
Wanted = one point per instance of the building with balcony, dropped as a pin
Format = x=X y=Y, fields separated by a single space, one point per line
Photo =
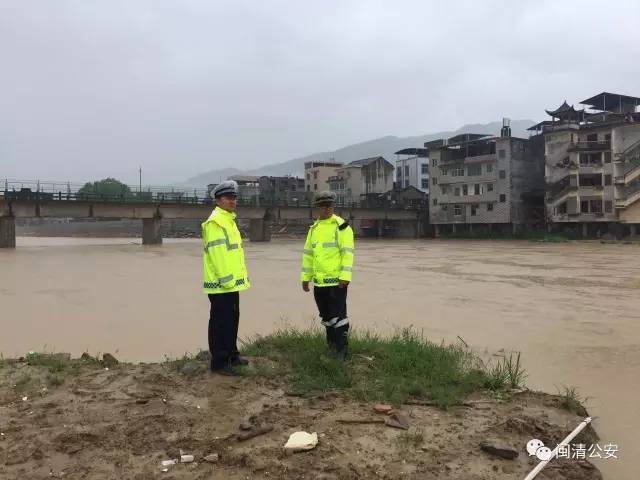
x=592 y=162
x=412 y=169
x=285 y=190
x=316 y=175
x=484 y=182
x=358 y=180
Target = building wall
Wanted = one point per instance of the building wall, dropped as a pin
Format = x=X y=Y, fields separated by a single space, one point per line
x=377 y=177
x=442 y=207
x=571 y=207
x=316 y=179
x=527 y=176
x=415 y=177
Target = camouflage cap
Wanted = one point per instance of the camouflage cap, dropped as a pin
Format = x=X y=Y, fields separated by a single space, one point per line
x=325 y=197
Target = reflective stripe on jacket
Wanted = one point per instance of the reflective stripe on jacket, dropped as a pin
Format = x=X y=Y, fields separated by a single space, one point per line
x=224 y=269
x=328 y=252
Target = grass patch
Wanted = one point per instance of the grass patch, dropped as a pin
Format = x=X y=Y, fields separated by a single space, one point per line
x=54 y=362
x=571 y=400
x=507 y=373
x=391 y=369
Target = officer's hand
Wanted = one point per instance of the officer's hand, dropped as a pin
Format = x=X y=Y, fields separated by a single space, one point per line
x=305 y=286
x=343 y=283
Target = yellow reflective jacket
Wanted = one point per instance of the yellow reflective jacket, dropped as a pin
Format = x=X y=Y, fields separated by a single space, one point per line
x=328 y=252
x=223 y=258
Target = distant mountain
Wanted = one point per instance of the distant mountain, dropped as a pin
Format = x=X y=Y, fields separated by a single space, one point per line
x=384 y=146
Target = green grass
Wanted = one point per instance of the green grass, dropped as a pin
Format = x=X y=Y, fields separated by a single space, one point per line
x=391 y=369
x=507 y=373
x=571 y=400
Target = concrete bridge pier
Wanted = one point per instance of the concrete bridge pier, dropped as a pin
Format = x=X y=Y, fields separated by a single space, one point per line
x=259 y=230
x=151 y=231
x=7 y=232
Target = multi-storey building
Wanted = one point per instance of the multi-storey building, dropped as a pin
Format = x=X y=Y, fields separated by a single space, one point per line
x=316 y=175
x=285 y=189
x=480 y=180
x=592 y=163
x=357 y=180
x=412 y=169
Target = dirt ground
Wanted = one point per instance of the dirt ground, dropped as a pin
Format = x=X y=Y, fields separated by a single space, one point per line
x=121 y=423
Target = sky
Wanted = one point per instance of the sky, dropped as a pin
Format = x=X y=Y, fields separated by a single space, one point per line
x=97 y=88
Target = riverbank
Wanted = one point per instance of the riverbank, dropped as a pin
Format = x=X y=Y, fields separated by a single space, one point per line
x=84 y=418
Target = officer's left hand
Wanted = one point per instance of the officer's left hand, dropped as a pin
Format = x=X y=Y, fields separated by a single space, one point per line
x=343 y=283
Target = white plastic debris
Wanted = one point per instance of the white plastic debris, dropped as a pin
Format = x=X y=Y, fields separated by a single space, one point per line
x=168 y=463
x=299 y=441
x=24 y=399
x=106 y=368
x=165 y=470
x=186 y=458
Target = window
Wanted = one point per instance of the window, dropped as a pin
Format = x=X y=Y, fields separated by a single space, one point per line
x=607 y=179
x=444 y=189
x=607 y=157
x=502 y=174
x=592 y=137
x=503 y=198
x=399 y=173
x=489 y=167
x=458 y=171
x=406 y=170
x=315 y=175
x=502 y=153
x=435 y=202
x=434 y=180
x=465 y=190
x=489 y=207
x=308 y=188
x=457 y=210
x=473 y=170
x=595 y=206
x=607 y=137
x=445 y=207
x=474 y=209
x=425 y=183
x=444 y=171
x=476 y=189
x=489 y=187
x=315 y=186
x=608 y=206
x=424 y=168
x=308 y=176
x=590 y=158
x=456 y=192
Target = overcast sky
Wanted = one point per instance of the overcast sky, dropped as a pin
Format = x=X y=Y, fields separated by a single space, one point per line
x=90 y=88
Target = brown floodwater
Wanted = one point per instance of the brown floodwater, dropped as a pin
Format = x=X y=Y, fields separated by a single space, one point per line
x=572 y=309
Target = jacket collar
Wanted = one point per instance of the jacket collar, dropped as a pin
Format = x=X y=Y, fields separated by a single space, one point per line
x=220 y=215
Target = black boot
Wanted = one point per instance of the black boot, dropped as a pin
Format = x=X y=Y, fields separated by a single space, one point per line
x=331 y=341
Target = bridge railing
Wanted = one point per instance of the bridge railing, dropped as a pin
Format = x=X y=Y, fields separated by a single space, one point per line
x=35 y=190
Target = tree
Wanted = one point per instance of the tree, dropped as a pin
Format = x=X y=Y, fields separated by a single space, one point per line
x=108 y=187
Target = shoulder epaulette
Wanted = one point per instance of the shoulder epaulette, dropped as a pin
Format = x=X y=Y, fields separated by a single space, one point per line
x=343 y=226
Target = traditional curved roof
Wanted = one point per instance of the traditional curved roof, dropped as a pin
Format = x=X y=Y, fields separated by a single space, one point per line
x=562 y=110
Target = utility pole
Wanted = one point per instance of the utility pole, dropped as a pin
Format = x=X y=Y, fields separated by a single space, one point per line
x=140 y=171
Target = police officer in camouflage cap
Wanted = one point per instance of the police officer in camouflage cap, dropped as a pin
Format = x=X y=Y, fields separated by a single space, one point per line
x=327 y=261
x=225 y=275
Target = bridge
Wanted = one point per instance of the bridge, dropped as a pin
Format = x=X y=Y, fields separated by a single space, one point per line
x=60 y=200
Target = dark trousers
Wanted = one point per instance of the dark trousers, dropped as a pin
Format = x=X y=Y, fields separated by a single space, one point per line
x=223 y=328
x=332 y=305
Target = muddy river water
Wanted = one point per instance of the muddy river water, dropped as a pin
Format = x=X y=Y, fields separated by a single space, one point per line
x=572 y=309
